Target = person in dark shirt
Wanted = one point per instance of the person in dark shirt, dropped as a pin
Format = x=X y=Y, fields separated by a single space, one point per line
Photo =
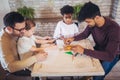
x=106 y=34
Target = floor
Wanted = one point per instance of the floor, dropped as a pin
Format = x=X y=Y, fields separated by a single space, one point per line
x=115 y=73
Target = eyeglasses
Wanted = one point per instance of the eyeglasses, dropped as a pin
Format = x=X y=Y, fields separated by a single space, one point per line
x=20 y=29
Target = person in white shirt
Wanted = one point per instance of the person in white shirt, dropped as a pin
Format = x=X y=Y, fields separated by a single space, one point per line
x=66 y=27
x=27 y=43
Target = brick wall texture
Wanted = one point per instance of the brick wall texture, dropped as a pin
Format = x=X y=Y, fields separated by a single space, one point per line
x=50 y=9
x=116 y=11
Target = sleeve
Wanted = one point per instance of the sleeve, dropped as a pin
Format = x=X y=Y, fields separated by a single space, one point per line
x=111 y=49
x=83 y=35
x=13 y=64
x=76 y=29
x=57 y=31
x=34 y=37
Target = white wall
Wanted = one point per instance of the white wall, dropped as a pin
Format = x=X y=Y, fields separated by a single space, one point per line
x=4 y=8
x=51 y=8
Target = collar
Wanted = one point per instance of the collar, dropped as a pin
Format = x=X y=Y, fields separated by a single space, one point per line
x=106 y=24
x=9 y=35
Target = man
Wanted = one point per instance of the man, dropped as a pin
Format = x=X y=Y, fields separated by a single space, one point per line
x=10 y=61
x=106 y=34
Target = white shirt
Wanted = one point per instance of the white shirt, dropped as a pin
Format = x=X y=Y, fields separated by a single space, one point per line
x=65 y=30
x=1 y=33
x=24 y=46
x=2 y=60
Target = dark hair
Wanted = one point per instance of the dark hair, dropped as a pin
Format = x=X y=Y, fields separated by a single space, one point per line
x=10 y=19
x=67 y=10
x=29 y=24
x=89 y=10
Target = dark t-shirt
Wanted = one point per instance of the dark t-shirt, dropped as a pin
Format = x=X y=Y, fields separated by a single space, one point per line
x=107 y=40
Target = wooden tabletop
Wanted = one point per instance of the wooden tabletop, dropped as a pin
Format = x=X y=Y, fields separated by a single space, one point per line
x=59 y=63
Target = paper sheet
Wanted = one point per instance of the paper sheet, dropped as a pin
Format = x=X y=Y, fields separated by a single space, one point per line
x=59 y=61
x=52 y=53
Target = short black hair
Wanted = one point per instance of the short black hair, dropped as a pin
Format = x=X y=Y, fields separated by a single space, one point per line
x=67 y=10
x=89 y=10
x=10 y=19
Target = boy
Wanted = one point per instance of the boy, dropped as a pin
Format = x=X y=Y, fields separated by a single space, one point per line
x=66 y=27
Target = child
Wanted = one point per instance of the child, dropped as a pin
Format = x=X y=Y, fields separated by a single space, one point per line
x=27 y=43
x=66 y=27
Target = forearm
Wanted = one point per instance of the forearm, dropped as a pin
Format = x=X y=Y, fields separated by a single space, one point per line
x=41 y=41
x=38 y=50
x=80 y=37
x=20 y=65
x=38 y=37
x=101 y=55
x=83 y=35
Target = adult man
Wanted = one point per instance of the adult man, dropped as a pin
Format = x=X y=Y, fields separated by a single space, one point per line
x=106 y=34
x=9 y=57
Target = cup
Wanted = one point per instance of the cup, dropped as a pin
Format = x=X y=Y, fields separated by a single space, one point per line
x=60 y=44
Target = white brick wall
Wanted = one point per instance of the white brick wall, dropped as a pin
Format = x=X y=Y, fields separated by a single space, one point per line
x=51 y=8
x=4 y=8
x=116 y=11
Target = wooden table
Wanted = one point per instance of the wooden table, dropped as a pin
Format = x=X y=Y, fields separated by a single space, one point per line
x=59 y=63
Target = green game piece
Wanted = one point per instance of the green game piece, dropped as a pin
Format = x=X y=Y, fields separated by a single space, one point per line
x=69 y=52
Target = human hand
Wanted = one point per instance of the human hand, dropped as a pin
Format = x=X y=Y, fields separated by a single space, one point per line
x=67 y=41
x=33 y=48
x=47 y=37
x=51 y=41
x=41 y=50
x=78 y=49
x=62 y=37
x=41 y=57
